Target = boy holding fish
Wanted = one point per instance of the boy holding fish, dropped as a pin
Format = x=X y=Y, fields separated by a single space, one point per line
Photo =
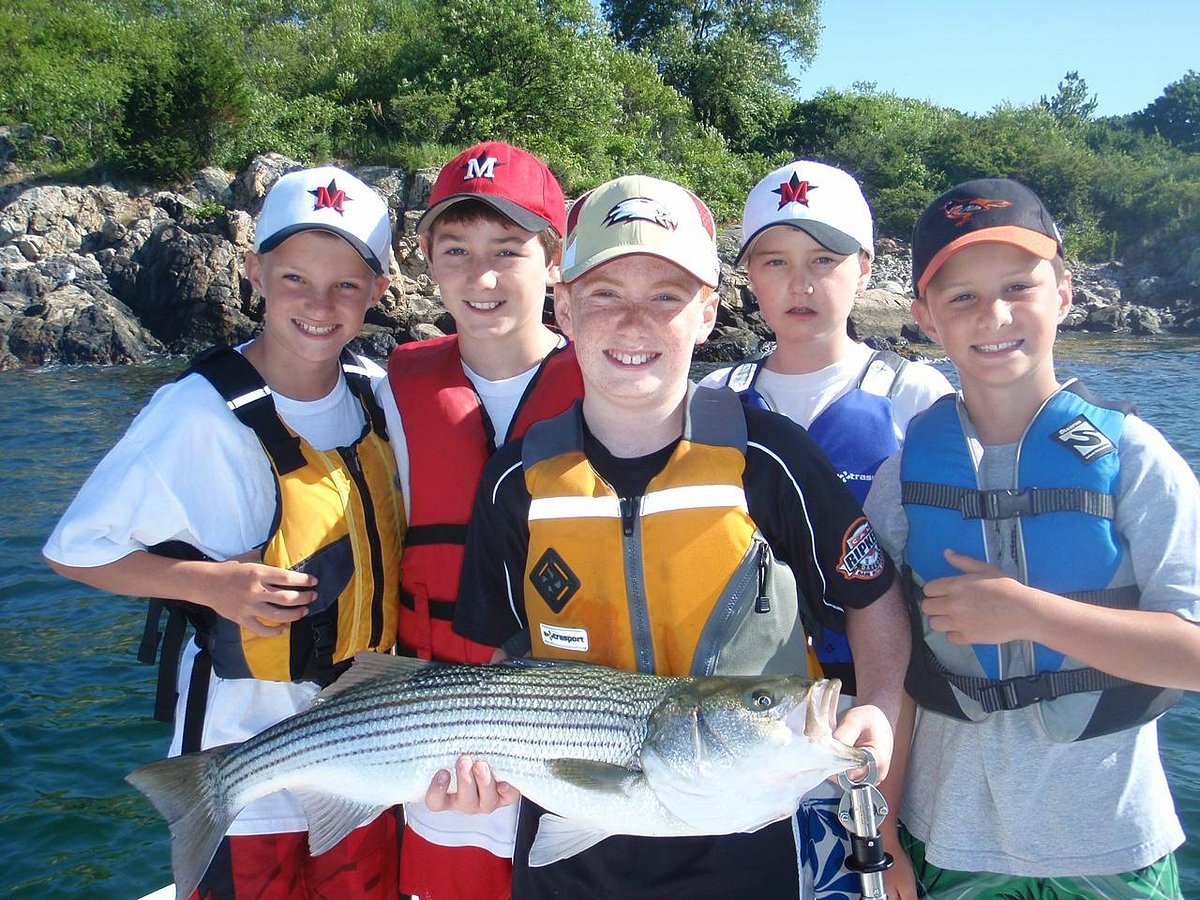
x=492 y=233
x=259 y=489
x=1049 y=540
x=664 y=528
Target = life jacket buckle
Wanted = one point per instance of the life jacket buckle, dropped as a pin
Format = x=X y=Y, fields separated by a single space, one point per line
x=1004 y=504
x=1018 y=693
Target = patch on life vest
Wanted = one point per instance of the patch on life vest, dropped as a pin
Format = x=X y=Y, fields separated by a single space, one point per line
x=1085 y=439
x=553 y=579
x=564 y=638
x=862 y=557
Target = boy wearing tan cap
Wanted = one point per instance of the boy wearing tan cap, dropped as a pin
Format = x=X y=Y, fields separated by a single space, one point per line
x=1051 y=539
x=623 y=531
x=260 y=489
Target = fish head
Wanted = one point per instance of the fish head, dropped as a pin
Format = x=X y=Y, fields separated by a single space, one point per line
x=736 y=753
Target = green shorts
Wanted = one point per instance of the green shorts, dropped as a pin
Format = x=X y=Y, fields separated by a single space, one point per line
x=1158 y=881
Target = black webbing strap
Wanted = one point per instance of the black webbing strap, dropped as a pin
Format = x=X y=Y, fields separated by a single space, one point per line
x=436 y=533
x=438 y=609
x=1006 y=504
x=248 y=397
x=197 y=701
x=1025 y=690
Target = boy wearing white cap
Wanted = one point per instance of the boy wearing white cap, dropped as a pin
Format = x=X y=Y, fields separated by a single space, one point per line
x=807 y=245
x=665 y=528
x=259 y=490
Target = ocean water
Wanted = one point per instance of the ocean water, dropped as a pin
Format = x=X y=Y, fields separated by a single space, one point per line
x=74 y=713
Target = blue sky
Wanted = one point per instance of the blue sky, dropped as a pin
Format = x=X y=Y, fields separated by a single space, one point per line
x=972 y=55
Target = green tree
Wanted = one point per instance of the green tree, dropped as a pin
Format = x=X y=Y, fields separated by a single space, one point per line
x=1071 y=105
x=728 y=57
x=1176 y=114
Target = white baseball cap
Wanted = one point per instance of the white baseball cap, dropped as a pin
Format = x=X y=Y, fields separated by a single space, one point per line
x=821 y=200
x=326 y=199
x=641 y=214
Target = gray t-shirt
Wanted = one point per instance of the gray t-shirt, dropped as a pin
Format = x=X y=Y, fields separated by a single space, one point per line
x=998 y=795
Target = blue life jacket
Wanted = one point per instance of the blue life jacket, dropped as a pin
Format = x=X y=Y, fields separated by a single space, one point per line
x=857 y=433
x=1062 y=509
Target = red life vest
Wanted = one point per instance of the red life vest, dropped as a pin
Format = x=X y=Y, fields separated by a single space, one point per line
x=449 y=441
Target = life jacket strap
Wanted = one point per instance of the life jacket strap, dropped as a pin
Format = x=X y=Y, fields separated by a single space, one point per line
x=1007 y=504
x=436 y=533
x=438 y=609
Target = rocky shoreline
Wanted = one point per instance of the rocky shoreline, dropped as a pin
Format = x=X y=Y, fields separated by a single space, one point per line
x=96 y=275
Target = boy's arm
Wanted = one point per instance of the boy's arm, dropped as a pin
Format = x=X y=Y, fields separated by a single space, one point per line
x=261 y=598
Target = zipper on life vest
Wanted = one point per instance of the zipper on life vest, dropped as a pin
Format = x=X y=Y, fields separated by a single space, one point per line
x=628 y=514
x=762 y=602
x=371 y=526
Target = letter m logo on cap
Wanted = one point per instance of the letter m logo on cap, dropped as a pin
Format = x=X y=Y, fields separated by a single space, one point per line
x=481 y=167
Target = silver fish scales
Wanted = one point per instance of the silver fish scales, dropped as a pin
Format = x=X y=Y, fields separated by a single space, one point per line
x=607 y=752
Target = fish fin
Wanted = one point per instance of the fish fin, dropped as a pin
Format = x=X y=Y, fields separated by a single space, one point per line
x=558 y=838
x=604 y=778
x=183 y=791
x=332 y=818
x=368 y=665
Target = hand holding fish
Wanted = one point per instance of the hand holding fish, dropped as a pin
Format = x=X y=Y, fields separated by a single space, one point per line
x=981 y=606
x=866 y=727
x=476 y=789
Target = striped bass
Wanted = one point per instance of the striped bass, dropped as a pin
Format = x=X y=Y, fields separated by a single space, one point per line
x=605 y=752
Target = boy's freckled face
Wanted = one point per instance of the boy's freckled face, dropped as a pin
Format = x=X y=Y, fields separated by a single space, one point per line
x=635 y=321
x=493 y=277
x=316 y=289
x=805 y=292
x=995 y=309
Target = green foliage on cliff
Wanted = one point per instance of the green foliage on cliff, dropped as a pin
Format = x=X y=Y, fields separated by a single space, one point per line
x=151 y=90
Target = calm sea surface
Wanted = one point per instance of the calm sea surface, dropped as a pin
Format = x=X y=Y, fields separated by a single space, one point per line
x=74 y=712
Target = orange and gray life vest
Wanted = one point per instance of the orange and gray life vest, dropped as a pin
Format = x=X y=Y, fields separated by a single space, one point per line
x=338 y=516
x=449 y=441
x=1061 y=509
x=676 y=581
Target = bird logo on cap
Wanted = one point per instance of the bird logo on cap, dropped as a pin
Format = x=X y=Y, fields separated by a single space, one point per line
x=642 y=208
x=794 y=191
x=960 y=211
x=330 y=197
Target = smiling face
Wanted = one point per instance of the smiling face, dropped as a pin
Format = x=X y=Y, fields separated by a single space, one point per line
x=492 y=275
x=316 y=291
x=805 y=293
x=635 y=321
x=995 y=309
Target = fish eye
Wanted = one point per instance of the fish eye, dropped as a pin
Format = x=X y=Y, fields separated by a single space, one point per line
x=761 y=699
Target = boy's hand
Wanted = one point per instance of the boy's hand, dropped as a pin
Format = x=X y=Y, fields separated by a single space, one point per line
x=981 y=606
x=867 y=726
x=477 y=789
x=262 y=599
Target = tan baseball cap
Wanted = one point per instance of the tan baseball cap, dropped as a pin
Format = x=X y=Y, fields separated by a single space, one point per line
x=641 y=214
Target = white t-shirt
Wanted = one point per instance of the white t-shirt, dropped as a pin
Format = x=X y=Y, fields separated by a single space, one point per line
x=804 y=397
x=187 y=470
x=496 y=832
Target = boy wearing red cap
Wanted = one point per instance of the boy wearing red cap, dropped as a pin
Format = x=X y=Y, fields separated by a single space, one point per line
x=661 y=527
x=259 y=488
x=1049 y=540
x=491 y=234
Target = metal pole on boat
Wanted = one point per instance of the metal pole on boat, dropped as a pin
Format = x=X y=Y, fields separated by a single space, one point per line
x=860 y=812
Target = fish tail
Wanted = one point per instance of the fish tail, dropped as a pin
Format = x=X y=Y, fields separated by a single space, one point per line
x=185 y=792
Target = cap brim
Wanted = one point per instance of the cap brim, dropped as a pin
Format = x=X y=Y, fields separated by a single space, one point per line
x=519 y=216
x=577 y=271
x=1040 y=245
x=283 y=234
x=827 y=236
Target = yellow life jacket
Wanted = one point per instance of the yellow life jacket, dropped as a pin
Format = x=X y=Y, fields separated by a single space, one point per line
x=338 y=516
x=677 y=581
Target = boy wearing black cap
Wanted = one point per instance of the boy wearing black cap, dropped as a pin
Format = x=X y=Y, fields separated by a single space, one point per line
x=259 y=488
x=491 y=232
x=662 y=527
x=1049 y=541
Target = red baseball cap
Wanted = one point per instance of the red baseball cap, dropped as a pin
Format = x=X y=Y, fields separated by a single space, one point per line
x=512 y=181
